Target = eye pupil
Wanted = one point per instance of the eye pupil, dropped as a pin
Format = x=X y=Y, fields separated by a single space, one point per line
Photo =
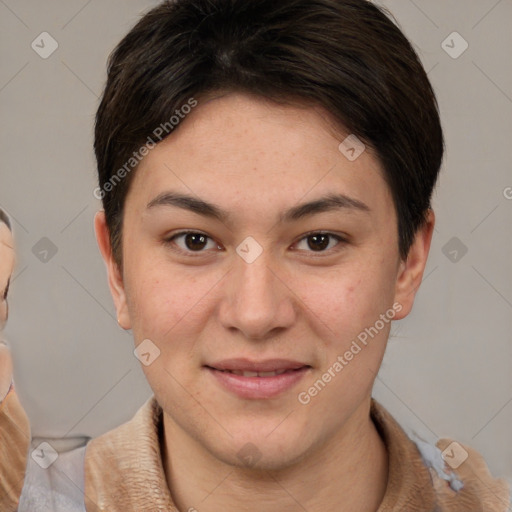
x=321 y=239
x=195 y=241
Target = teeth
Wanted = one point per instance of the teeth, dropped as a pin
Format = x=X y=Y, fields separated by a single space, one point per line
x=256 y=374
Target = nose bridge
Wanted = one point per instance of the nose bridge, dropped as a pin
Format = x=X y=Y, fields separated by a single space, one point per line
x=258 y=301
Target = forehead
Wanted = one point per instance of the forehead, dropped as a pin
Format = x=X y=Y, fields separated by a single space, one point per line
x=247 y=150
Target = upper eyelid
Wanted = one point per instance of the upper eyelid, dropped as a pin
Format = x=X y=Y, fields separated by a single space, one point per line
x=340 y=238
x=188 y=232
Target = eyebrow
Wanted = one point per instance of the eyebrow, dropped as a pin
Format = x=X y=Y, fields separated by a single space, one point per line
x=323 y=204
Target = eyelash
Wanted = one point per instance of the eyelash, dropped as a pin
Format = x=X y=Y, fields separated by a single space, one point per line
x=170 y=242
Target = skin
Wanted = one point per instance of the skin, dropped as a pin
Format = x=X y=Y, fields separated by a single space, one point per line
x=256 y=159
x=7 y=260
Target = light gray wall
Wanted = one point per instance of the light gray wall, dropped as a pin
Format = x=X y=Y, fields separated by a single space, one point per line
x=447 y=371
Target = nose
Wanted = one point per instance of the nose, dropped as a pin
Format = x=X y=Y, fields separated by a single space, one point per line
x=257 y=300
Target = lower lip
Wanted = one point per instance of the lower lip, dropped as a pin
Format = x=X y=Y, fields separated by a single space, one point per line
x=258 y=387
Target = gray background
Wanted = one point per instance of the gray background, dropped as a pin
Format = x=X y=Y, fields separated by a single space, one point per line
x=447 y=371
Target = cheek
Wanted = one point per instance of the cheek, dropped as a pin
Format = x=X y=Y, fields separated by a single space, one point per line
x=165 y=303
x=345 y=301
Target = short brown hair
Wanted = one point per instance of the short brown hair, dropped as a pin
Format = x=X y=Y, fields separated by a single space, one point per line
x=344 y=55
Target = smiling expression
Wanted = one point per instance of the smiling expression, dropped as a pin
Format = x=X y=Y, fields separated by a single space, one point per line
x=254 y=253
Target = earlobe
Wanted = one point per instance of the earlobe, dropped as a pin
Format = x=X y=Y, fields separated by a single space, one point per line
x=115 y=278
x=410 y=272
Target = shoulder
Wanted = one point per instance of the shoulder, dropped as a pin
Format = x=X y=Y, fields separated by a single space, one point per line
x=117 y=447
x=14 y=448
x=447 y=476
x=478 y=489
x=54 y=482
x=461 y=478
x=124 y=464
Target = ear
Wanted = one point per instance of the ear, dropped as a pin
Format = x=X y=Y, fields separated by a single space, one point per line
x=115 y=277
x=410 y=272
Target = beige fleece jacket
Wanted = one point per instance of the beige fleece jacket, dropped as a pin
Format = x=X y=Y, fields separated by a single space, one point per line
x=124 y=470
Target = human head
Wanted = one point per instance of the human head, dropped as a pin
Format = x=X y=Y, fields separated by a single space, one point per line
x=255 y=148
x=343 y=55
x=6 y=264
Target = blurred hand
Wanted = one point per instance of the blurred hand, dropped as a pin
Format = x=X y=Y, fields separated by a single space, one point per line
x=5 y=370
x=6 y=269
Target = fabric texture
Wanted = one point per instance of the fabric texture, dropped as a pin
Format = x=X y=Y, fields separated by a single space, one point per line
x=14 y=447
x=57 y=488
x=122 y=470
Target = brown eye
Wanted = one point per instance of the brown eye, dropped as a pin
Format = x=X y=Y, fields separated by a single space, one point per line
x=192 y=241
x=195 y=242
x=320 y=242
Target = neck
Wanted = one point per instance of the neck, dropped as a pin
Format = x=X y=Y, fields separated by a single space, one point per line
x=347 y=473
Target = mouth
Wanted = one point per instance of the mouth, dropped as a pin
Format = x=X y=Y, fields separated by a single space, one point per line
x=256 y=374
x=257 y=379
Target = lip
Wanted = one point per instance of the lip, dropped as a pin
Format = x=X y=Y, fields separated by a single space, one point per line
x=257 y=387
x=247 y=365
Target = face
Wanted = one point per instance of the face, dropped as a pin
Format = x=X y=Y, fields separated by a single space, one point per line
x=272 y=279
x=6 y=269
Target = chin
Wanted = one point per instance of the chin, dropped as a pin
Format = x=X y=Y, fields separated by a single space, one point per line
x=260 y=453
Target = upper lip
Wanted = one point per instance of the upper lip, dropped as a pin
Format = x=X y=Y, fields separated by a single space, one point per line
x=246 y=365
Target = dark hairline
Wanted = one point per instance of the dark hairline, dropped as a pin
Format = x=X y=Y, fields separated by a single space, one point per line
x=411 y=190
